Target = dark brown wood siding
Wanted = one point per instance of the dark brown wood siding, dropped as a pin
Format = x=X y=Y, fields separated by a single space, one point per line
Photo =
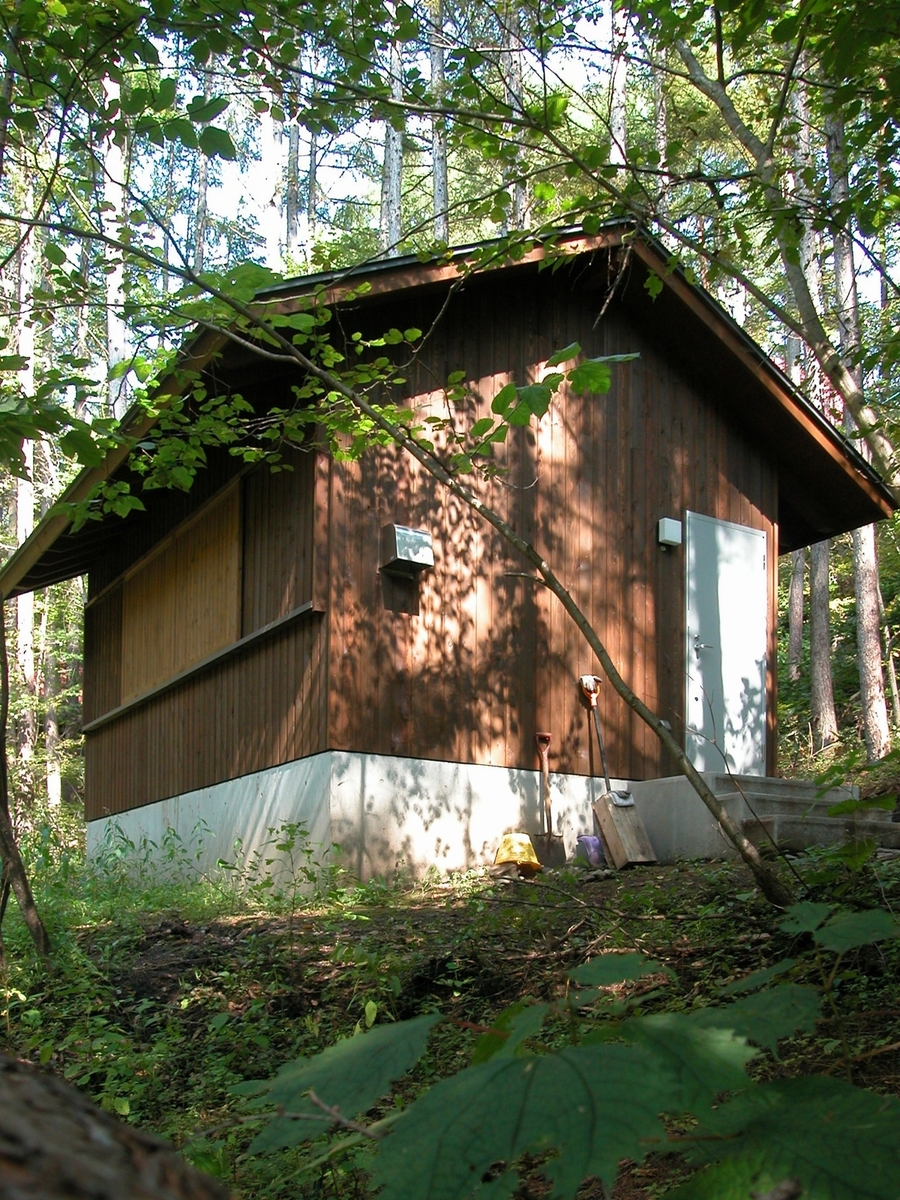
x=102 y=656
x=263 y=706
x=278 y=540
x=470 y=663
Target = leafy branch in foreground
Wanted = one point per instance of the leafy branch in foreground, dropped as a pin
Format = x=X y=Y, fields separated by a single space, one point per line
x=623 y=1086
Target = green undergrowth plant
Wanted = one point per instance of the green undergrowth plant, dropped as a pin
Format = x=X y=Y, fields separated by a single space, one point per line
x=578 y=1084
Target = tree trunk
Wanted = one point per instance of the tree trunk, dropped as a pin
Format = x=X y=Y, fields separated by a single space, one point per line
x=865 y=564
x=441 y=189
x=312 y=189
x=824 y=717
x=25 y=345
x=201 y=212
x=661 y=136
x=618 y=88
x=292 y=189
x=392 y=166
x=13 y=867
x=117 y=347
x=795 y=614
x=511 y=41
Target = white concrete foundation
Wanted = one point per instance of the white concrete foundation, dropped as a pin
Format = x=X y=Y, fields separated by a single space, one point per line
x=389 y=814
x=383 y=813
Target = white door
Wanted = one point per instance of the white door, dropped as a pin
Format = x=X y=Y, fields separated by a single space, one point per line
x=725 y=650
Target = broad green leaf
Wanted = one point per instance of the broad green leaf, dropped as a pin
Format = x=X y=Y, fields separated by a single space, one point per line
x=590 y=376
x=54 y=254
x=351 y=1076
x=514 y=1026
x=596 y=1104
x=731 y=1179
x=537 y=396
x=165 y=97
x=505 y=399
x=756 y=979
x=607 y=969
x=520 y=415
x=480 y=428
x=804 y=917
x=13 y=362
x=839 y=1141
x=849 y=929
x=216 y=143
x=702 y=1062
x=200 y=111
x=854 y=852
x=766 y=1017
x=565 y=355
x=654 y=285
x=851 y=807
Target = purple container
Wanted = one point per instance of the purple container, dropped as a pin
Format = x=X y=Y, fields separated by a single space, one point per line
x=589 y=847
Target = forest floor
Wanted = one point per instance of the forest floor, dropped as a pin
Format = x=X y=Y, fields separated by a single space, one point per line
x=162 y=997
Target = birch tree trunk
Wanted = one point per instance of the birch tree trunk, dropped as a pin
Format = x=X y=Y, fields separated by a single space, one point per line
x=865 y=565
x=661 y=135
x=441 y=191
x=824 y=717
x=511 y=41
x=618 y=88
x=117 y=345
x=201 y=212
x=795 y=614
x=25 y=345
x=292 y=189
x=392 y=166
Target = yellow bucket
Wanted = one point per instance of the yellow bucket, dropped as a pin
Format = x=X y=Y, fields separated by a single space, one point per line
x=517 y=848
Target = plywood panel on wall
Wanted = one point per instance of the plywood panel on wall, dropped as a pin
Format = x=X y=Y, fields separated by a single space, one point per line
x=183 y=602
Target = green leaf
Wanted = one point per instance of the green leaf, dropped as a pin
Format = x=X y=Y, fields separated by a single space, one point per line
x=537 y=396
x=215 y=142
x=607 y=969
x=200 y=111
x=766 y=1017
x=79 y=443
x=593 y=375
x=520 y=415
x=839 y=1141
x=514 y=1026
x=13 y=362
x=845 y=808
x=847 y=930
x=350 y=1076
x=54 y=254
x=165 y=97
x=702 y=1062
x=566 y=355
x=804 y=917
x=504 y=400
x=596 y=1104
x=654 y=285
x=756 y=979
x=480 y=428
x=729 y=1180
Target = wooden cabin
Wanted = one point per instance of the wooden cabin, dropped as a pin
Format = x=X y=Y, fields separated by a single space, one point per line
x=251 y=659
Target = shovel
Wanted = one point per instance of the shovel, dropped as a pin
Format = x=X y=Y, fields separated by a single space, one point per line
x=623 y=833
x=548 y=845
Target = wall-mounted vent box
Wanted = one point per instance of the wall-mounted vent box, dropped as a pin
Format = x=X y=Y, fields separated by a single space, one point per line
x=405 y=551
x=668 y=532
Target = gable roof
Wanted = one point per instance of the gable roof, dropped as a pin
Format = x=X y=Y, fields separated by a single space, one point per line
x=825 y=485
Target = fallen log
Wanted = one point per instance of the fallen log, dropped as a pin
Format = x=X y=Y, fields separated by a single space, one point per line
x=56 y=1143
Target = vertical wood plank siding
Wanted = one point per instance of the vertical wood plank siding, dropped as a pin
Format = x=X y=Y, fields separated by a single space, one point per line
x=261 y=708
x=184 y=602
x=472 y=661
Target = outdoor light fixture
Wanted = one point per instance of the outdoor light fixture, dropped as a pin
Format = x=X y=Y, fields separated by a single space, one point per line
x=668 y=532
x=404 y=551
